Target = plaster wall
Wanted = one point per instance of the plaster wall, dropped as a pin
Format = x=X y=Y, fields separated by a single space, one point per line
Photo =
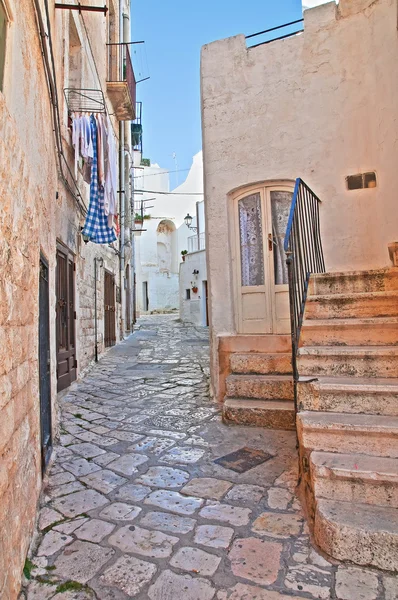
x=193 y=310
x=320 y=105
x=37 y=211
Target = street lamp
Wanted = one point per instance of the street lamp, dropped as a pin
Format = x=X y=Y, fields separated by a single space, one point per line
x=188 y=221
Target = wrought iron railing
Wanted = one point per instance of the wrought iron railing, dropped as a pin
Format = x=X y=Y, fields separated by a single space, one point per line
x=304 y=255
x=120 y=68
x=284 y=27
x=196 y=242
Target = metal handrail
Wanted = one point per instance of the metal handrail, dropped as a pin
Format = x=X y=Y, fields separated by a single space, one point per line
x=287 y=35
x=304 y=255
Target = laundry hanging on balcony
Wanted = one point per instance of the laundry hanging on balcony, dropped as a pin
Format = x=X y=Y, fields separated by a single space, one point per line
x=99 y=225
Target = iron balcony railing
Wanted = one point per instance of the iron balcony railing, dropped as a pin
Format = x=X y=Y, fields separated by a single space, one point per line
x=286 y=27
x=120 y=68
x=304 y=255
x=196 y=243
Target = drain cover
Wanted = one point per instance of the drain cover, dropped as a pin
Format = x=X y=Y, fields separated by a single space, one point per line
x=243 y=460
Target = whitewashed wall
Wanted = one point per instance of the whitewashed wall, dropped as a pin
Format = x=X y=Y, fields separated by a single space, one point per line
x=163 y=287
x=321 y=105
x=193 y=310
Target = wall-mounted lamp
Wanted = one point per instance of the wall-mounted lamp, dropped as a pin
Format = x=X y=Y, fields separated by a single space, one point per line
x=86 y=239
x=195 y=272
x=188 y=222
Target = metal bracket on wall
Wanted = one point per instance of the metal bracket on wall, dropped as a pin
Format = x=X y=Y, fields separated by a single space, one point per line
x=81 y=7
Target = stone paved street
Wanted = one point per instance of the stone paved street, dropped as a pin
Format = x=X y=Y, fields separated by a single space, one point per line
x=135 y=507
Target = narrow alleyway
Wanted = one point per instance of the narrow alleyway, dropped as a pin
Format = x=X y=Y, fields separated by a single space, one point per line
x=138 y=505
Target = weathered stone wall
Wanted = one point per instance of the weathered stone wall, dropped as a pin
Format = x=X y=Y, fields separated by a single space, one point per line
x=36 y=212
x=320 y=105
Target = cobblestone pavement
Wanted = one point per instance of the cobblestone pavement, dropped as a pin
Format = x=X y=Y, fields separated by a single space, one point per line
x=135 y=506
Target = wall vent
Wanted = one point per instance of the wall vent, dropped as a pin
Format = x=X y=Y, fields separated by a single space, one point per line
x=361 y=181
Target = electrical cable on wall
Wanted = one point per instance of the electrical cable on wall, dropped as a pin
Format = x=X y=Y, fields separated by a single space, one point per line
x=52 y=85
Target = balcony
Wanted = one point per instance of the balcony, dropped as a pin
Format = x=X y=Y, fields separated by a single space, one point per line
x=121 y=84
x=196 y=243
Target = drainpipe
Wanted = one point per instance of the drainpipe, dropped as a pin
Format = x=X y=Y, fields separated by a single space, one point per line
x=121 y=182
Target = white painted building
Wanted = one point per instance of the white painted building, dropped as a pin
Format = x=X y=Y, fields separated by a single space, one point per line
x=193 y=273
x=164 y=234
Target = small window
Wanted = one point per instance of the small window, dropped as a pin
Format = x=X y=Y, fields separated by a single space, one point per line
x=3 y=36
x=187 y=294
x=361 y=181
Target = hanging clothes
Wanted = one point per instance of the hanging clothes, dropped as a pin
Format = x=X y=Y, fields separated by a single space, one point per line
x=111 y=173
x=96 y=227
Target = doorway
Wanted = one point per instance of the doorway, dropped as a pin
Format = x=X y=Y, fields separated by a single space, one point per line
x=44 y=364
x=259 y=221
x=145 y=297
x=206 y=304
x=128 y=299
x=110 y=310
x=65 y=318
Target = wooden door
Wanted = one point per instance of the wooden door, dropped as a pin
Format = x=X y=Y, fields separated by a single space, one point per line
x=251 y=269
x=110 y=310
x=44 y=365
x=128 y=299
x=261 y=293
x=65 y=318
x=206 y=303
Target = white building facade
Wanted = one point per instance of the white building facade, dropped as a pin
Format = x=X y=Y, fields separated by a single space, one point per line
x=161 y=234
x=193 y=273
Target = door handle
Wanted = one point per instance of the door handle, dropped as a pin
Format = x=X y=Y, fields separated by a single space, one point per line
x=270 y=242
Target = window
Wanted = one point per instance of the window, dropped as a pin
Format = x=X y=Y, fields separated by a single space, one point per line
x=187 y=294
x=361 y=181
x=3 y=36
x=251 y=240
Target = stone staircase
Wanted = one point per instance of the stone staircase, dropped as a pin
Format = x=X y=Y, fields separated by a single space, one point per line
x=348 y=415
x=259 y=387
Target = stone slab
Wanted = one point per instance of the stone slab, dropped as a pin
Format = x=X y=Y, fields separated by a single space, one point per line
x=256 y=560
x=79 y=503
x=129 y=574
x=195 y=560
x=214 y=536
x=207 y=487
x=174 y=502
x=167 y=522
x=170 y=586
x=164 y=477
x=234 y=515
x=137 y=540
x=81 y=561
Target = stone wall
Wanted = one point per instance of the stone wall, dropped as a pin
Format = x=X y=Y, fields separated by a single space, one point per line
x=37 y=211
x=320 y=105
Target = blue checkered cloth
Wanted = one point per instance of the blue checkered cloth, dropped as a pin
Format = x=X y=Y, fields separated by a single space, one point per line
x=96 y=226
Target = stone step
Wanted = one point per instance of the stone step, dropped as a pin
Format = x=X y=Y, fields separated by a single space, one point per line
x=377 y=396
x=359 y=533
x=351 y=306
x=244 y=343
x=374 y=435
x=262 y=387
x=261 y=363
x=351 y=361
x=259 y=413
x=381 y=280
x=355 y=478
x=371 y=331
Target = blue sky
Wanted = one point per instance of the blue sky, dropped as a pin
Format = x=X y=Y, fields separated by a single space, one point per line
x=174 y=33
